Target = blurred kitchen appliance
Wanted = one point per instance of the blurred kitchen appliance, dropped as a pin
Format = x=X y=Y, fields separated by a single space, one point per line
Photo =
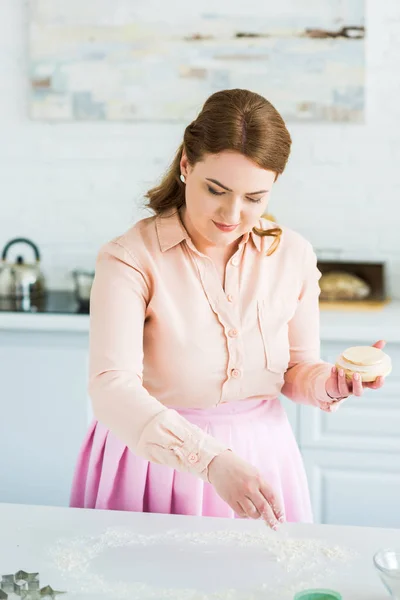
x=352 y=285
x=22 y=284
x=83 y=284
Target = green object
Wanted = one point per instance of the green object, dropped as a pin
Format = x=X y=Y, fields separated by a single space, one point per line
x=318 y=595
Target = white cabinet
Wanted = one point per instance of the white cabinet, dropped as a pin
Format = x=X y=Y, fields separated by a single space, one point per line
x=352 y=457
x=354 y=488
x=369 y=423
x=44 y=414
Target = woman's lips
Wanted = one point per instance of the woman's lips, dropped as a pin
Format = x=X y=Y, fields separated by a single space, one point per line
x=224 y=226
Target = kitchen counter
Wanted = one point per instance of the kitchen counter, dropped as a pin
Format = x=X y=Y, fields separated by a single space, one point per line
x=109 y=554
x=18 y=321
x=368 y=325
x=365 y=326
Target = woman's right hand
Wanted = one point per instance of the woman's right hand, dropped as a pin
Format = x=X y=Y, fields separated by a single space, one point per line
x=243 y=488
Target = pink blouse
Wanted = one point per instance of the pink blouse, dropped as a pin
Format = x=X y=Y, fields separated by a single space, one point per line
x=164 y=334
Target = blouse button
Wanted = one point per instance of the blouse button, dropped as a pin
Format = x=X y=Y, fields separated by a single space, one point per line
x=235 y=373
x=229 y=298
x=193 y=458
x=233 y=333
x=235 y=261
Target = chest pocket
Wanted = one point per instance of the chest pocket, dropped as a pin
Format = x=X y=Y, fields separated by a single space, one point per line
x=273 y=323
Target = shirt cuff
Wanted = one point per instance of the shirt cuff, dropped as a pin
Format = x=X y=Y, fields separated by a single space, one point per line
x=171 y=440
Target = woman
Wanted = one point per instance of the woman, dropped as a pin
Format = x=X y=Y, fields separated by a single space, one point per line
x=200 y=317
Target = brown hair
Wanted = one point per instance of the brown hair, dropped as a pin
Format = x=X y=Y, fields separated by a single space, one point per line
x=236 y=120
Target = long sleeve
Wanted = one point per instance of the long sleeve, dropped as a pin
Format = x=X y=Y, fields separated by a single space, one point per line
x=307 y=374
x=119 y=300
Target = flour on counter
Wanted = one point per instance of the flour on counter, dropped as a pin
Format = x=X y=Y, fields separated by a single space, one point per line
x=301 y=562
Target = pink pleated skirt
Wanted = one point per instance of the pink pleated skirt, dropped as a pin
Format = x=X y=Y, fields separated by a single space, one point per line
x=109 y=476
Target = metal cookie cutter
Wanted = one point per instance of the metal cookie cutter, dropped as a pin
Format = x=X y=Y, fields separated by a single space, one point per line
x=27 y=586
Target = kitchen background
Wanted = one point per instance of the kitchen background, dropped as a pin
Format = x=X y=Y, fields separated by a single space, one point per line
x=70 y=186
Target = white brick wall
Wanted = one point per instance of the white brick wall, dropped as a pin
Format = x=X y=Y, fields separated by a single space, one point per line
x=72 y=187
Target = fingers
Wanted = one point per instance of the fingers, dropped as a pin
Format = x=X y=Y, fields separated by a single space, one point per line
x=357 y=385
x=257 y=506
x=380 y=344
x=338 y=384
x=375 y=385
x=273 y=501
x=334 y=390
x=249 y=508
x=265 y=510
x=239 y=510
x=244 y=490
x=343 y=387
x=262 y=502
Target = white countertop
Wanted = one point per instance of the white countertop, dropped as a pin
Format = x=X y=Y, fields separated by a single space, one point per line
x=10 y=321
x=365 y=326
x=362 y=325
x=109 y=554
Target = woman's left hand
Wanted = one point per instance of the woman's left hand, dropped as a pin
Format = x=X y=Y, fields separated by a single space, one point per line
x=339 y=387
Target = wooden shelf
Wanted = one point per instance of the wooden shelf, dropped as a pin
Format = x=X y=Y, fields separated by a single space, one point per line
x=356 y=305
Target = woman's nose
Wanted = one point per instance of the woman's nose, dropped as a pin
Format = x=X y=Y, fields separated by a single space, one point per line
x=232 y=212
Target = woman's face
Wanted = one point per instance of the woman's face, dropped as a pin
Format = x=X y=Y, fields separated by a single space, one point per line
x=226 y=194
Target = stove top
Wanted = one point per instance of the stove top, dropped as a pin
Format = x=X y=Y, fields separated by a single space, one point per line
x=54 y=302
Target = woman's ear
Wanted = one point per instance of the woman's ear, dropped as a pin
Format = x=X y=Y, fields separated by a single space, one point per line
x=184 y=164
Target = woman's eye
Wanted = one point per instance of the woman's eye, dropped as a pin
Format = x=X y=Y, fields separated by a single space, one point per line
x=215 y=192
